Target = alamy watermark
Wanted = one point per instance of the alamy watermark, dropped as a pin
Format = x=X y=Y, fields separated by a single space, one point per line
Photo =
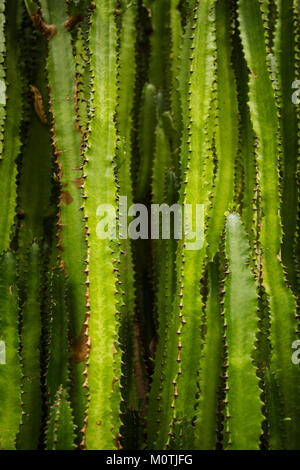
x=296 y=94
x=2 y=352
x=296 y=354
x=163 y=222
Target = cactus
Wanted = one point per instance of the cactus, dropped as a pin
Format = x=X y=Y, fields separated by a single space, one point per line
x=11 y=132
x=31 y=351
x=67 y=148
x=60 y=433
x=243 y=419
x=11 y=373
x=281 y=299
x=112 y=343
x=103 y=421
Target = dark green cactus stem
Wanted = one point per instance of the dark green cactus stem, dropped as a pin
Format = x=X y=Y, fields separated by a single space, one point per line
x=274 y=416
x=226 y=138
x=246 y=142
x=176 y=38
x=193 y=191
x=81 y=13
x=159 y=72
x=10 y=370
x=210 y=364
x=83 y=78
x=67 y=148
x=163 y=192
x=183 y=348
x=264 y=116
x=28 y=438
x=60 y=433
x=285 y=54
x=124 y=118
x=162 y=164
x=145 y=139
x=36 y=161
x=2 y=74
x=58 y=330
x=31 y=7
x=183 y=81
x=104 y=366
x=8 y=165
x=243 y=407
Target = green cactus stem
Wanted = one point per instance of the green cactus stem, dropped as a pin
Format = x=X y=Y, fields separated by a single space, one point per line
x=210 y=364
x=28 y=438
x=264 y=116
x=243 y=409
x=2 y=74
x=67 y=148
x=104 y=365
x=10 y=370
x=12 y=143
x=60 y=433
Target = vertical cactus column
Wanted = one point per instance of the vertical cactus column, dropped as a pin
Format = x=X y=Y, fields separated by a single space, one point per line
x=211 y=361
x=60 y=428
x=31 y=330
x=10 y=371
x=126 y=62
x=104 y=365
x=285 y=54
x=227 y=129
x=2 y=74
x=13 y=107
x=243 y=407
x=66 y=139
x=264 y=115
x=37 y=163
x=221 y=196
x=184 y=322
x=189 y=308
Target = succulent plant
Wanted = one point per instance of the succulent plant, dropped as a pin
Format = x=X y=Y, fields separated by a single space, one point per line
x=125 y=342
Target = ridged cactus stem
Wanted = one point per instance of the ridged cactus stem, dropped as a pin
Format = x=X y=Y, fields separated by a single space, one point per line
x=226 y=140
x=67 y=148
x=243 y=406
x=285 y=54
x=2 y=74
x=104 y=365
x=184 y=346
x=264 y=116
x=12 y=142
x=37 y=162
x=10 y=367
x=30 y=429
x=124 y=156
x=163 y=192
x=210 y=364
x=60 y=433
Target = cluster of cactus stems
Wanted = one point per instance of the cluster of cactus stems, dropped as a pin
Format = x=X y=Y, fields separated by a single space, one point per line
x=146 y=344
